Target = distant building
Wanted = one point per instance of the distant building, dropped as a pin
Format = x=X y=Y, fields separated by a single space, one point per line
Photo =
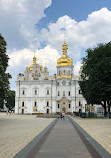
x=37 y=92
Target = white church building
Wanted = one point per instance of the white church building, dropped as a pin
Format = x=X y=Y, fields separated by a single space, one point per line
x=38 y=93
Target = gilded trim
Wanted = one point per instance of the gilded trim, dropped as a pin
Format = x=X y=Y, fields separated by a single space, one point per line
x=60 y=77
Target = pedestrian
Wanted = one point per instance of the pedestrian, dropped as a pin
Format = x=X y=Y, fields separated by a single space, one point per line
x=9 y=112
x=108 y=115
x=63 y=115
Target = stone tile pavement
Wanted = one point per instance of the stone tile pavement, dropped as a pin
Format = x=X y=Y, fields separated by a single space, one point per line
x=99 y=129
x=63 y=142
x=16 y=131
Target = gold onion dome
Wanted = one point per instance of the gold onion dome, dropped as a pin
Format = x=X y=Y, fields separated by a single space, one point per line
x=41 y=67
x=64 y=60
x=34 y=62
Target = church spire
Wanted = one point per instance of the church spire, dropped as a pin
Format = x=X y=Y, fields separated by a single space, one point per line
x=64 y=48
x=34 y=60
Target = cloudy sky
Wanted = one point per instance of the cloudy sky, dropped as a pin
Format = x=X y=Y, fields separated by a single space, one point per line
x=40 y=26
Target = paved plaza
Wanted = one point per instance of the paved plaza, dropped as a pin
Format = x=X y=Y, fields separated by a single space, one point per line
x=63 y=142
x=99 y=129
x=16 y=131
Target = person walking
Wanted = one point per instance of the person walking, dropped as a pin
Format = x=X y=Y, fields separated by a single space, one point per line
x=63 y=115
x=108 y=115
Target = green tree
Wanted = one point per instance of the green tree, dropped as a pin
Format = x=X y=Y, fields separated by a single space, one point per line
x=10 y=99
x=4 y=77
x=95 y=81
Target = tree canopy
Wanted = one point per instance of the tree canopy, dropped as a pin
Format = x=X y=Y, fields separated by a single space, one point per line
x=10 y=99
x=4 y=77
x=95 y=81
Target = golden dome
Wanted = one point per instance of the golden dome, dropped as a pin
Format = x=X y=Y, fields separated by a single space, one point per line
x=34 y=62
x=64 y=60
x=41 y=67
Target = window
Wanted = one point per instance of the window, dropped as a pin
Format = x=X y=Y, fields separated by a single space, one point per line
x=47 y=111
x=69 y=72
x=58 y=93
x=23 y=103
x=63 y=93
x=64 y=72
x=58 y=106
x=35 y=103
x=59 y=73
x=47 y=103
x=79 y=91
x=79 y=103
x=69 y=106
x=23 y=92
x=69 y=93
x=35 y=92
x=47 y=91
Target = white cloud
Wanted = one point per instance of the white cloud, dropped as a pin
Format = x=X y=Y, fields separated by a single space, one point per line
x=21 y=58
x=18 y=19
x=77 y=68
x=79 y=35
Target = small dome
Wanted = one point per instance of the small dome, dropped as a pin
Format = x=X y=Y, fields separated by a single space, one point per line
x=34 y=62
x=64 y=60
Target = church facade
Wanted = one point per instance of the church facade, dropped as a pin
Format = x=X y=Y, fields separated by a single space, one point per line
x=38 y=93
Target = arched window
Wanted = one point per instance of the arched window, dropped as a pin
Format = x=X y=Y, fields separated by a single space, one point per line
x=35 y=103
x=35 y=92
x=69 y=93
x=23 y=103
x=47 y=103
x=23 y=92
x=47 y=91
x=58 y=93
x=47 y=111
x=79 y=103
x=58 y=106
x=69 y=106
x=79 y=91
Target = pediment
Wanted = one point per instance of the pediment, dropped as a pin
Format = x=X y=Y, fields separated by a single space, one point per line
x=64 y=99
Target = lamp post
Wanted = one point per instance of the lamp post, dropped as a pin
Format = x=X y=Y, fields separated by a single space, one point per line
x=51 y=95
x=73 y=111
x=75 y=93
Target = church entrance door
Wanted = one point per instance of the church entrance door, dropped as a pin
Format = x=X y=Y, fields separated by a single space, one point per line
x=47 y=111
x=64 y=109
x=22 y=111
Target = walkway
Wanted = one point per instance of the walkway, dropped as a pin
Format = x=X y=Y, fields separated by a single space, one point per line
x=63 y=142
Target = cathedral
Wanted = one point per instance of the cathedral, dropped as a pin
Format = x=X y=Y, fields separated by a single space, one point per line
x=39 y=93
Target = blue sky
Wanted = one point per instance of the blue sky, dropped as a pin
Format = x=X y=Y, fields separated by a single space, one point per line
x=39 y=26
x=77 y=9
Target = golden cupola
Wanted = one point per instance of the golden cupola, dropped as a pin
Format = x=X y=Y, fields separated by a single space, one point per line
x=34 y=62
x=64 y=60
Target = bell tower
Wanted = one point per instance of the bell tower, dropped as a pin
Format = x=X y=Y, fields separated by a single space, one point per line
x=64 y=64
